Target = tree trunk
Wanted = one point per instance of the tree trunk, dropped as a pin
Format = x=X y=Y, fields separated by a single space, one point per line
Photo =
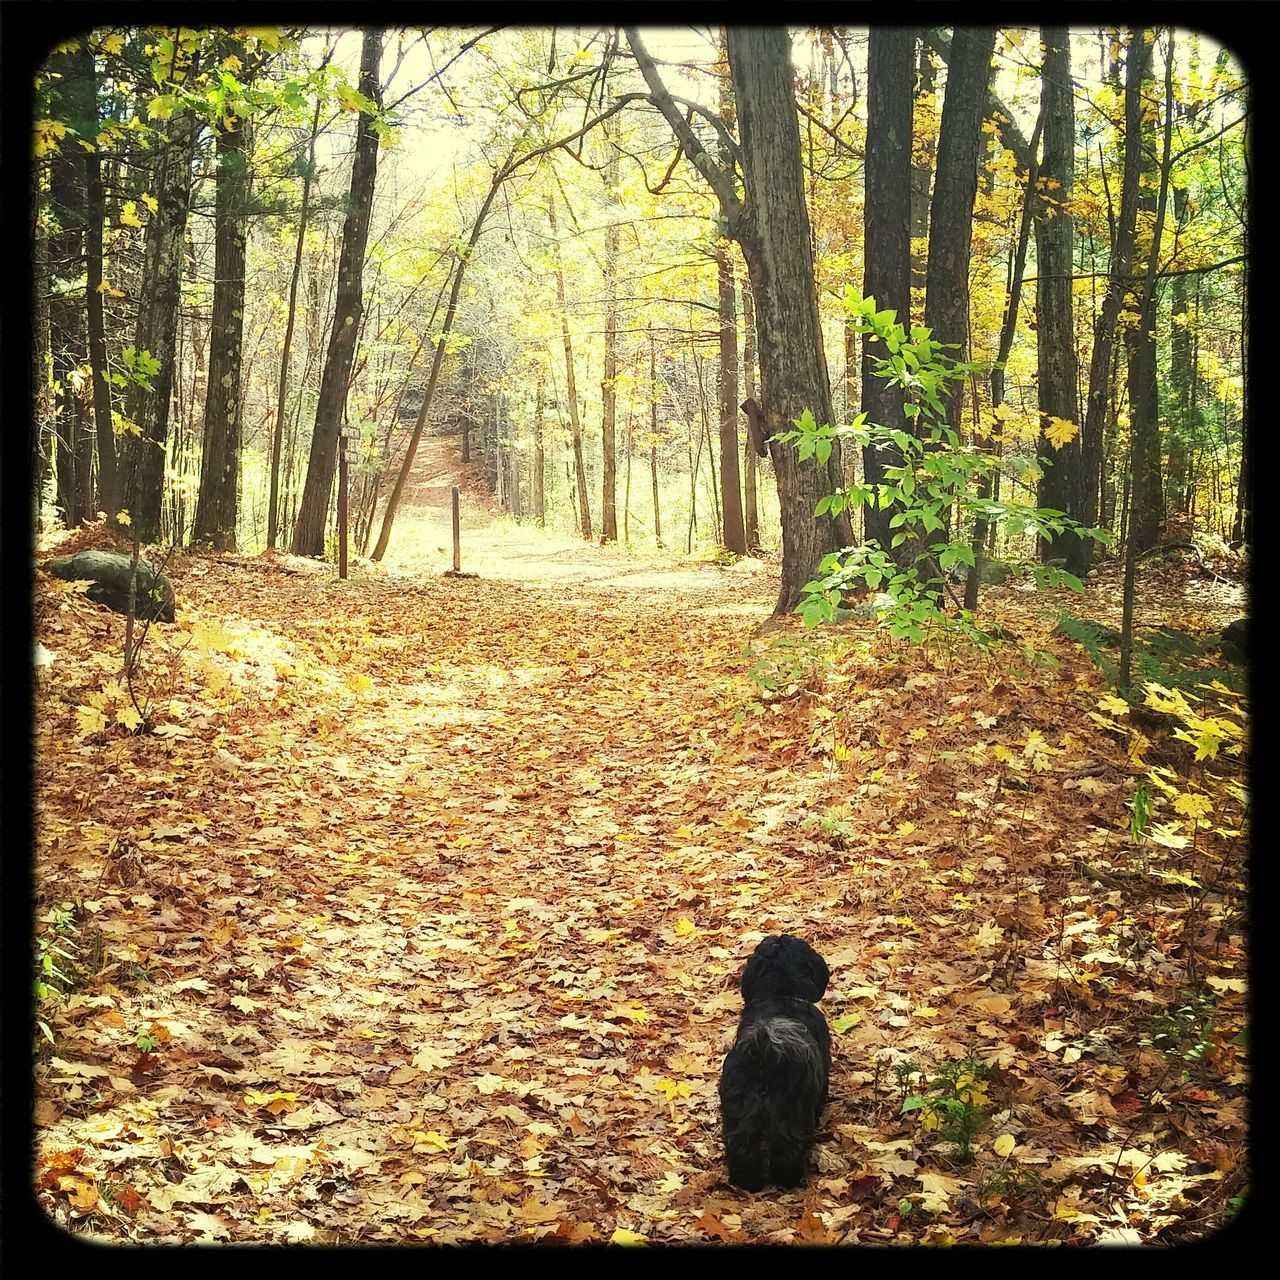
x=750 y=482
x=946 y=307
x=309 y=528
x=887 y=240
x=157 y=328
x=1147 y=507
x=922 y=169
x=775 y=237
x=217 y=504
x=653 y=437
x=571 y=393
x=771 y=223
x=282 y=392
x=735 y=535
x=72 y=102
x=1083 y=504
x=95 y=217
x=539 y=459
x=608 y=384
x=393 y=502
x=1056 y=360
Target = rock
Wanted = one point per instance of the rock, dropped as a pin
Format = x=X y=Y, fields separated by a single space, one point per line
x=990 y=572
x=109 y=571
x=1234 y=645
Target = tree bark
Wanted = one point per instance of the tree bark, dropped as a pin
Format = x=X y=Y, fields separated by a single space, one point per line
x=735 y=535
x=608 y=382
x=1083 y=504
x=887 y=238
x=217 y=503
x=157 y=327
x=750 y=482
x=1056 y=360
x=771 y=223
x=539 y=458
x=96 y=213
x=282 y=391
x=571 y=393
x=309 y=527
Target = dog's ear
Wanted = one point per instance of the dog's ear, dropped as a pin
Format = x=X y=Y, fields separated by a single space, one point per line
x=819 y=972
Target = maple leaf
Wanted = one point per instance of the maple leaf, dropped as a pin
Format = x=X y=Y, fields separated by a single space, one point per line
x=428 y=1058
x=624 y=1237
x=1058 y=431
x=89 y=721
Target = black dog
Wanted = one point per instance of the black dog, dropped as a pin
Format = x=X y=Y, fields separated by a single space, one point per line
x=774 y=1083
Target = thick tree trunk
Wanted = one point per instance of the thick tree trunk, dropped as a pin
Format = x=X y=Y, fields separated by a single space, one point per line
x=1056 y=359
x=1083 y=504
x=946 y=307
x=773 y=230
x=309 y=528
x=887 y=241
x=217 y=504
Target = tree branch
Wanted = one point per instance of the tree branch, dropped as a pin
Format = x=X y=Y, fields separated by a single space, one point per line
x=721 y=180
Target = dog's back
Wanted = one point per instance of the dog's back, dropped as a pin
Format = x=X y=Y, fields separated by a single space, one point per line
x=774 y=1083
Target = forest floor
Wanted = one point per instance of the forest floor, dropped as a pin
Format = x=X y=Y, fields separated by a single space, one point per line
x=418 y=912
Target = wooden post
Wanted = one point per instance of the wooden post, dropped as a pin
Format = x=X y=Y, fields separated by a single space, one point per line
x=342 y=505
x=457 y=532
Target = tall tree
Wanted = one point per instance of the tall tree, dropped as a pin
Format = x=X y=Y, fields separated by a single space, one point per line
x=1147 y=501
x=1056 y=360
x=217 y=502
x=750 y=484
x=95 y=286
x=771 y=223
x=887 y=236
x=1083 y=504
x=282 y=389
x=571 y=391
x=313 y=510
x=609 y=378
x=70 y=73
x=946 y=306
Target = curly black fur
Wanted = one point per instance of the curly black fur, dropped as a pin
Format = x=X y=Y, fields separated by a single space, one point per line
x=774 y=1082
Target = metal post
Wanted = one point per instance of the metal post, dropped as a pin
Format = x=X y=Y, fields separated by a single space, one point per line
x=457 y=531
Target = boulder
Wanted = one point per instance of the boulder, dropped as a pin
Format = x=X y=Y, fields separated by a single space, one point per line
x=108 y=571
x=1234 y=645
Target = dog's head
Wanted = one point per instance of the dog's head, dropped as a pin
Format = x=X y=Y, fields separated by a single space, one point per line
x=782 y=967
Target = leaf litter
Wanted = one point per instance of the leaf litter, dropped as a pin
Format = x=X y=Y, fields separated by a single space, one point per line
x=418 y=914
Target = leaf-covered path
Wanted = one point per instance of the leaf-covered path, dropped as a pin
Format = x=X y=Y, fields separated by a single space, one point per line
x=418 y=917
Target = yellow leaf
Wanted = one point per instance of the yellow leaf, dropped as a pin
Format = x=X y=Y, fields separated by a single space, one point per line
x=90 y=721
x=150 y=201
x=685 y=927
x=129 y=717
x=671 y=1090
x=623 y=1236
x=1004 y=1145
x=1058 y=431
x=129 y=214
x=124 y=517
x=1193 y=806
x=112 y=43
x=1113 y=705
